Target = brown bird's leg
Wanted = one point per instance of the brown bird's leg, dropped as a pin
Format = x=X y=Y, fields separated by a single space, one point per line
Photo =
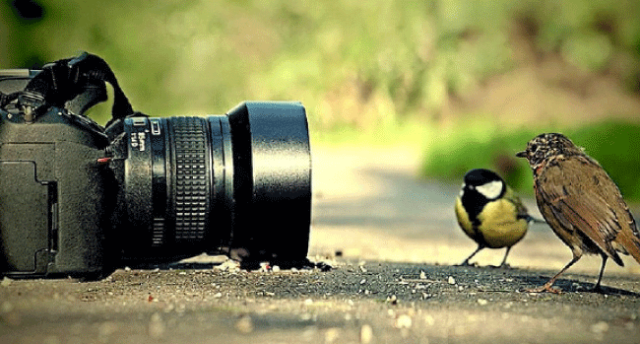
x=504 y=260
x=466 y=261
x=547 y=286
x=597 y=288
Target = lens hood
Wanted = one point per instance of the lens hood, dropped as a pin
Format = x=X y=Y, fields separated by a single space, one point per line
x=272 y=162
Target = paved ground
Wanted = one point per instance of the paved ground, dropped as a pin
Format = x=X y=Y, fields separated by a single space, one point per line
x=391 y=239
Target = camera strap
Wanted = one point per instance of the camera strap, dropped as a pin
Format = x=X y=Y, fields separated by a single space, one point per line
x=7 y=98
x=61 y=81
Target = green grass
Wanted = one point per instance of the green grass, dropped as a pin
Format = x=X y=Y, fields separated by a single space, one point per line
x=615 y=145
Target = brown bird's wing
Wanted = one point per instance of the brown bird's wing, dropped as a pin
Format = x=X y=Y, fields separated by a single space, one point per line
x=582 y=197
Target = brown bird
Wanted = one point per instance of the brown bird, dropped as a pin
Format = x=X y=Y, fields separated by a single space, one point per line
x=580 y=202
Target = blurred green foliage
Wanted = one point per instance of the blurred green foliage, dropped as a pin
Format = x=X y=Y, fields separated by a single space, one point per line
x=616 y=147
x=354 y=64
x=480 y=144
x=613 y=144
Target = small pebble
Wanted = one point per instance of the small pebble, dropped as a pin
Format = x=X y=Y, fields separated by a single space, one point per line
x=264 y=267
x=156 y=326
x=452 y=280
x=482 y=302
x=331 y=335
x=423 y=275
x=228 y=265
x=6 y=282
x=600 y=327
x=392 y=300
x=429 y=320
x=366 y=334
x=245 y=324
x=403 y=321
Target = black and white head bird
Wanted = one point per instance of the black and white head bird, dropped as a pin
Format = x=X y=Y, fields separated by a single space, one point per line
x=490 y=213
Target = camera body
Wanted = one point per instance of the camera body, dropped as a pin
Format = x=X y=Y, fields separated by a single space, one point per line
x=77 y=199
x=48 y=177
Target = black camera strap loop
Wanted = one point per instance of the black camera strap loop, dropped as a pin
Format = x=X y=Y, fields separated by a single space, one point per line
x=7 y=98
x=63 y=80
x=95 y=68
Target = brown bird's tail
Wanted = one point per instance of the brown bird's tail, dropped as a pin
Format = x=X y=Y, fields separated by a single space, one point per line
x=630 y=242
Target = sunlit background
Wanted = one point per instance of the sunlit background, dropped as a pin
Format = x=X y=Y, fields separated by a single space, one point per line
x=468 y=82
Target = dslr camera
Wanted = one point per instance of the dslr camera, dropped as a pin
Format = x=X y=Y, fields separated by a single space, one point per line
x=79 y=199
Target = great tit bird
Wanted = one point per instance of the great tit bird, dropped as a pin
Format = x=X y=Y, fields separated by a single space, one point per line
x=490 y=213
x=581 y=203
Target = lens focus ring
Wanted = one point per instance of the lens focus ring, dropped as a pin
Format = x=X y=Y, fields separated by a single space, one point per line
x=191 y=189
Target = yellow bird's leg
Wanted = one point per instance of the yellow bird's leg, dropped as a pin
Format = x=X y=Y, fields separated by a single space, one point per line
x=504 y=260
x=466 y=261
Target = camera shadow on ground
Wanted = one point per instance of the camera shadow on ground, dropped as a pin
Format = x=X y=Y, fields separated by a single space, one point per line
x=392 y=241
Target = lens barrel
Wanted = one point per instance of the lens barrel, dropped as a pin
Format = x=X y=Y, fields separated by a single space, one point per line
x=237 y=184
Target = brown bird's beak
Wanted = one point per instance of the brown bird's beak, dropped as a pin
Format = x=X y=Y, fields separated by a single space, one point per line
x=522 y=154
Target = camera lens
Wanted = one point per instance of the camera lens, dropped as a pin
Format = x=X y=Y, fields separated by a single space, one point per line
x=237 y=184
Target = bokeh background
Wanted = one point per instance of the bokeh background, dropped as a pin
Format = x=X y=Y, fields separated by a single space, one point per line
x=466 y=82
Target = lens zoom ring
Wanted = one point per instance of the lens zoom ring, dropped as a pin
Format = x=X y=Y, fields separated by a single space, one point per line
x=192 y=201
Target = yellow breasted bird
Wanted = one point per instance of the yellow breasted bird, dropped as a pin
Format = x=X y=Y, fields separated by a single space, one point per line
x=580 y=202
x=490 y=213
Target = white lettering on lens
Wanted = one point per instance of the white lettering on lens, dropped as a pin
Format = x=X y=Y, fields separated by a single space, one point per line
x=138 y=141
x=142 y=137
x=134 y=140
